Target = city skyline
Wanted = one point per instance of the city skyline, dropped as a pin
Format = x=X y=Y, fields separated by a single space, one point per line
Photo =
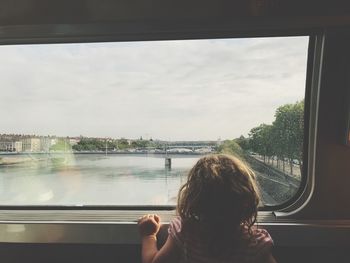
x=13 y=135
x=166 y=90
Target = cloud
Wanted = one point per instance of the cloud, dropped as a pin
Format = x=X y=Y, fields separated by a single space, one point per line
x=191 y=89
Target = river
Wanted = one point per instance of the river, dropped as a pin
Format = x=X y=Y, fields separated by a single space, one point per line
x=110 y=180
x=94 y=179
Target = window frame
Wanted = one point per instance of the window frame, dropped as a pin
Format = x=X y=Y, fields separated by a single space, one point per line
x=314 y=63
x=44 y=34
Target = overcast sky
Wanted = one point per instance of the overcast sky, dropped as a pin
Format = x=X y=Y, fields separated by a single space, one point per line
x=169 y=90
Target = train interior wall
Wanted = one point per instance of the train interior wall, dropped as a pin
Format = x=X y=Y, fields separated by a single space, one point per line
x=55 y=253
x=331 y=198
x=332 y=179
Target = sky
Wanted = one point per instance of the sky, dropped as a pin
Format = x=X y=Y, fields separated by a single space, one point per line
x=167 y=90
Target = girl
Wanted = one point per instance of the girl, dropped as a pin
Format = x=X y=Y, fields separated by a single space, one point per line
x=217 y=208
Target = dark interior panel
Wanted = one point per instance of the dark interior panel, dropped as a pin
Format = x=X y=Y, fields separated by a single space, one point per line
x=16 y=253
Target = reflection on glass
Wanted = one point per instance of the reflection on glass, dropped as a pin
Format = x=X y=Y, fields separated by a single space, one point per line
x=93 y=124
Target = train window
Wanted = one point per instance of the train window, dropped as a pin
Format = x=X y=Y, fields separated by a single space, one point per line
x=120 y=124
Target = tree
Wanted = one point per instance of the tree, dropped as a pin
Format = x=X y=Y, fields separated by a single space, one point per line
x=283 y=139
x=88 y=144
x=122 y=144
x=139 y=143
x=289 y=127
x=230 y=147
x=261 y=140
x=243 y=142
x=62 y=145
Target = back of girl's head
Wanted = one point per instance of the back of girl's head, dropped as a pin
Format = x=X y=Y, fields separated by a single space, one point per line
x=219 y=197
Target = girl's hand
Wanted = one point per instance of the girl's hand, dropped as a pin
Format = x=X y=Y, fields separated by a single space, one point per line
x=149 y=225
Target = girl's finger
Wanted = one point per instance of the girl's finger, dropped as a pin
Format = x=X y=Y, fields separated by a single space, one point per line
x=155 y=222
x=157 y=218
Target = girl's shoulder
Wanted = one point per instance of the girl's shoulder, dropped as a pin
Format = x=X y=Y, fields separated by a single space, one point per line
x=258 y=239
x=174 y=230
x=258 y=242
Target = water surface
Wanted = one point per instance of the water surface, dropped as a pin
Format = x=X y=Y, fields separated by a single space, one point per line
x=94 y=179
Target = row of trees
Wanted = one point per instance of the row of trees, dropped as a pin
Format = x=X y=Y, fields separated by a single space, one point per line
x=89 y=144
x=61 y=145
x=231 y=147
x=282 y=140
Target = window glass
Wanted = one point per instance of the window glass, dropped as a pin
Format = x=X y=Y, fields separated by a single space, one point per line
x=122 y=123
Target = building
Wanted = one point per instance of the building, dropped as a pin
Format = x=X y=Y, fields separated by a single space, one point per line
x=74 y=141
x=10 y=146
x=45 y=144
x=31 y=144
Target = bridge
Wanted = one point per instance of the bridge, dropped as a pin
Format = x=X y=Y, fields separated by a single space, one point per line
x=189 y=146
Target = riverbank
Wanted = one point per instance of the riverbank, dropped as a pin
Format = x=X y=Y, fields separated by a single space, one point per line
x=15 y=160
x=61 y=157
x=102 y=153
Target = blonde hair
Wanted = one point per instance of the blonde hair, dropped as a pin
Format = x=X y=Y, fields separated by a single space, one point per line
x=218 y=200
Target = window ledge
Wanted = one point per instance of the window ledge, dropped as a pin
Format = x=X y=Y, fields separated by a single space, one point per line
x=120 y=227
